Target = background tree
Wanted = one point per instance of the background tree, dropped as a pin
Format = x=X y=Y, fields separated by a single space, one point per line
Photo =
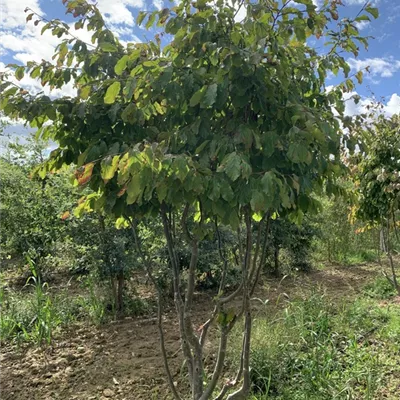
x=225 y=124
x=378 y=178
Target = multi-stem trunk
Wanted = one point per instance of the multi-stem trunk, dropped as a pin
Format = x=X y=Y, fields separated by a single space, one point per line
x=252 y=257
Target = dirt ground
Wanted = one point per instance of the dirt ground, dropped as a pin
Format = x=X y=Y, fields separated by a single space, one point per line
x=121 y=360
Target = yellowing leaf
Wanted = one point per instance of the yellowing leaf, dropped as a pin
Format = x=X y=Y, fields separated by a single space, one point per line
x=112 y=92
x=108 y=167
x=121 y=65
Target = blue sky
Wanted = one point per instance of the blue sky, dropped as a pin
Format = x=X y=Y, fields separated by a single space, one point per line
x=21 y=42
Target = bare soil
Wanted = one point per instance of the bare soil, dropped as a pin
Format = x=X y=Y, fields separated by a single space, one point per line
x=121 y=360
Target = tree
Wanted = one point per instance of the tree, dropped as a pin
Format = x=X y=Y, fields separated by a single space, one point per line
x=227 y=123
x=378 y=180
x=295 y=239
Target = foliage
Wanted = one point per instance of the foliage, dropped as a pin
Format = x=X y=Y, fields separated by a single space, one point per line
x=30 y=221
x=296 y=240
x=378 y=171
x=201 y=132
x=342 y=239
x=378 y=179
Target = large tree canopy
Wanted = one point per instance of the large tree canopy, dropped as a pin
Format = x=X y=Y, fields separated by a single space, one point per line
x=227 y=113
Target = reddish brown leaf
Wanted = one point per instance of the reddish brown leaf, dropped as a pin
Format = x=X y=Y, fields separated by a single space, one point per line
x=122 y=191
x=84 y=173
x=65 y=215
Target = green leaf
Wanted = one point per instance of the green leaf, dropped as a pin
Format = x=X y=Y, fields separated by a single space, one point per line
x=84 y=92
x=112 y=92
x=231 y=166
x=268 y=182
x=226 y=191
x=121 y=65
x=300 y=33
x=180 y=168
x=234 y=219
x=373 y=11
x=210 y=95
x=19 y=73
x=196 y=98
x=359 y=76
x=257 y=202
x=134 y=189
x=245 y=134
x=298 y=153
x=141 y=16
x=51 y=113
x=128 y=115
x=161 y=191
x=129 y=88
x=236 y=37
x=362 y=18
x=107 y=46
x=150 y=21
x=36 y=72
x=200 y=148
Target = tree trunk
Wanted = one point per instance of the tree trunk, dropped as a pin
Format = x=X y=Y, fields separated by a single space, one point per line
x=120 y=293
x=276 y=261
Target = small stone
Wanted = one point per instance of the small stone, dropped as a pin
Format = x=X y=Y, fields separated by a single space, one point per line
x=80 y=349
x=68 y=370
x=108 y=393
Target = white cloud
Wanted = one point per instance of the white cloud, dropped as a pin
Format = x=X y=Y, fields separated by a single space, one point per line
x=390 y=108
x=159 y=4
x=12 y=13
x=360 y=2
x=117 y=11
x=378 y=67
x=362 y=25
x=393 y=105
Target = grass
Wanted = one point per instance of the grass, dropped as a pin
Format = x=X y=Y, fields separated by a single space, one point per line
x=380 y=288
x=315 y=349
x=38 y=312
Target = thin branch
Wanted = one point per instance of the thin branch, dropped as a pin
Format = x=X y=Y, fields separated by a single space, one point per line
x=193 y=260
x=223 y=259
x=177 y=292
x=244 y=371
x=263 y=257
x=55 y=25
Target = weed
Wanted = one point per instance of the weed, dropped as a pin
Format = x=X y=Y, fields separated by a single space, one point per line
x=380 y=288
x=316 y=350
